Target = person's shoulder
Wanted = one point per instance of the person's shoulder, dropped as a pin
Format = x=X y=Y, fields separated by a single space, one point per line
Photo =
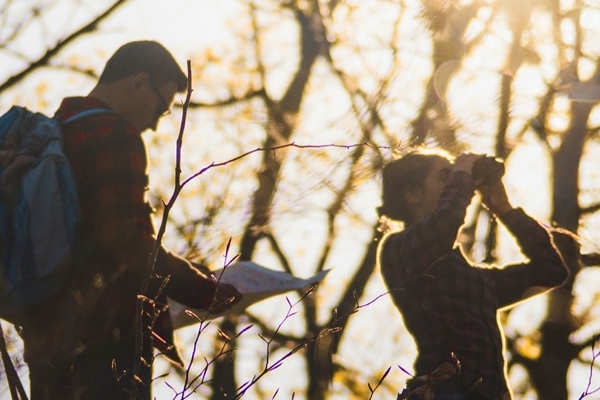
x=394 y=238
x=95 y=120
x=114 y=134
x=89 y=112
x=389 y=243
x=112 y=126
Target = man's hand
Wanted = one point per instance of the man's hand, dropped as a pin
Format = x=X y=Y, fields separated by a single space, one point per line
x=226 y=296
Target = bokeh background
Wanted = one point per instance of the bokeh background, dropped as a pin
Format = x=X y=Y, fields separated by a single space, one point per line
x=342 y=87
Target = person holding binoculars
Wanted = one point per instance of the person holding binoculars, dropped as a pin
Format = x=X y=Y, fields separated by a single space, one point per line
x=448 y=304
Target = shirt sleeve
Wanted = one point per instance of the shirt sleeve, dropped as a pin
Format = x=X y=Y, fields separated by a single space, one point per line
x=416 y=248
x=543 y=270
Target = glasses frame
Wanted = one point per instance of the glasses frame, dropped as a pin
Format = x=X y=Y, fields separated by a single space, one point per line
x=165 y=109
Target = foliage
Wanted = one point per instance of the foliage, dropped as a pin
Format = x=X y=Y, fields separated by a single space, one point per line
x=513 y=79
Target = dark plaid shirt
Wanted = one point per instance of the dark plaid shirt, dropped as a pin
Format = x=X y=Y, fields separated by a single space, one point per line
x=108 y=158
x=449 y=305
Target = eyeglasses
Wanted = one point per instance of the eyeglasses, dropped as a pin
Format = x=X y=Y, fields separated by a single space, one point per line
x=164 y=108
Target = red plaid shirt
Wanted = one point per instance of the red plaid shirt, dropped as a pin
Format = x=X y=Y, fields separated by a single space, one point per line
x=108 y=158
x=449 y=305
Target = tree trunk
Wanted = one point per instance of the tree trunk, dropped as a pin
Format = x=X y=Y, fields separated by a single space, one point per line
x=549 y=372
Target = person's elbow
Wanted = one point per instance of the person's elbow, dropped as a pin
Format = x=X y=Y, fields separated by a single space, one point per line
x=560 y=273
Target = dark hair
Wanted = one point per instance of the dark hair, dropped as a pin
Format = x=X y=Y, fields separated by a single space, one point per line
x=402 y=175
x=144 y=56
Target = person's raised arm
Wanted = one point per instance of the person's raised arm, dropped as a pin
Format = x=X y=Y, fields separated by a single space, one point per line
x=544 y=268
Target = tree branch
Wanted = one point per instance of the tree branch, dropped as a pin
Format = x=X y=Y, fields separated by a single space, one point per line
x=46 y=57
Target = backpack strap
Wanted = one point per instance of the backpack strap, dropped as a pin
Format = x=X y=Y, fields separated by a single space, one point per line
x=84 y=247
x=87 y=113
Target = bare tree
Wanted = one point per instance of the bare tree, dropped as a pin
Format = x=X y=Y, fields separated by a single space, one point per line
x=319 y=39
x=384 y=75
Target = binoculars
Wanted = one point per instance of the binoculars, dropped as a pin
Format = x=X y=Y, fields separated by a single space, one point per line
x=487 y=170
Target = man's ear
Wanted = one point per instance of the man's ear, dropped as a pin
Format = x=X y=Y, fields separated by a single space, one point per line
x=139 y=80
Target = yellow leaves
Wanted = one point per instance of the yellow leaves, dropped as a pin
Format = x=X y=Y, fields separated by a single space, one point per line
x=529 y=347
x=40 y=92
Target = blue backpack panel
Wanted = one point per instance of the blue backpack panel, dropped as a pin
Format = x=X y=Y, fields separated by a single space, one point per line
x=39 y=211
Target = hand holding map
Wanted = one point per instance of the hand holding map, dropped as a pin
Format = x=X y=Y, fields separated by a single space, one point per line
x=254 y=282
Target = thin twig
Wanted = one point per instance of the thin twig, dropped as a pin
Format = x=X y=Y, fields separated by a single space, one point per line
x=595 y=356
x=280 y=147
x=149 y=271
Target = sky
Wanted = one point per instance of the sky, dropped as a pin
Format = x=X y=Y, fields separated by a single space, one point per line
x=206 y=22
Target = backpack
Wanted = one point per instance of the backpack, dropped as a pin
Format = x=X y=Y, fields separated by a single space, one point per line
x=39 y=210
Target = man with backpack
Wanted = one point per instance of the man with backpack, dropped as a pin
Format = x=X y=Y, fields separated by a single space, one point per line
x=81 y=343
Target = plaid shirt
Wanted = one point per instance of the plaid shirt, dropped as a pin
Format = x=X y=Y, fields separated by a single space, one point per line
x=449 y=305
x=108 y=158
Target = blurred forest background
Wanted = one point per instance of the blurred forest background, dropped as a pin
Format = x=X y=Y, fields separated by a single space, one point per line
x=357 y=82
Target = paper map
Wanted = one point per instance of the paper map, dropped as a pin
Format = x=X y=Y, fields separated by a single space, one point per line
x=255 y=282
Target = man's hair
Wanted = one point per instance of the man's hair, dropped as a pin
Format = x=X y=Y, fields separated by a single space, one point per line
x=144 y=56
x=402 y=175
